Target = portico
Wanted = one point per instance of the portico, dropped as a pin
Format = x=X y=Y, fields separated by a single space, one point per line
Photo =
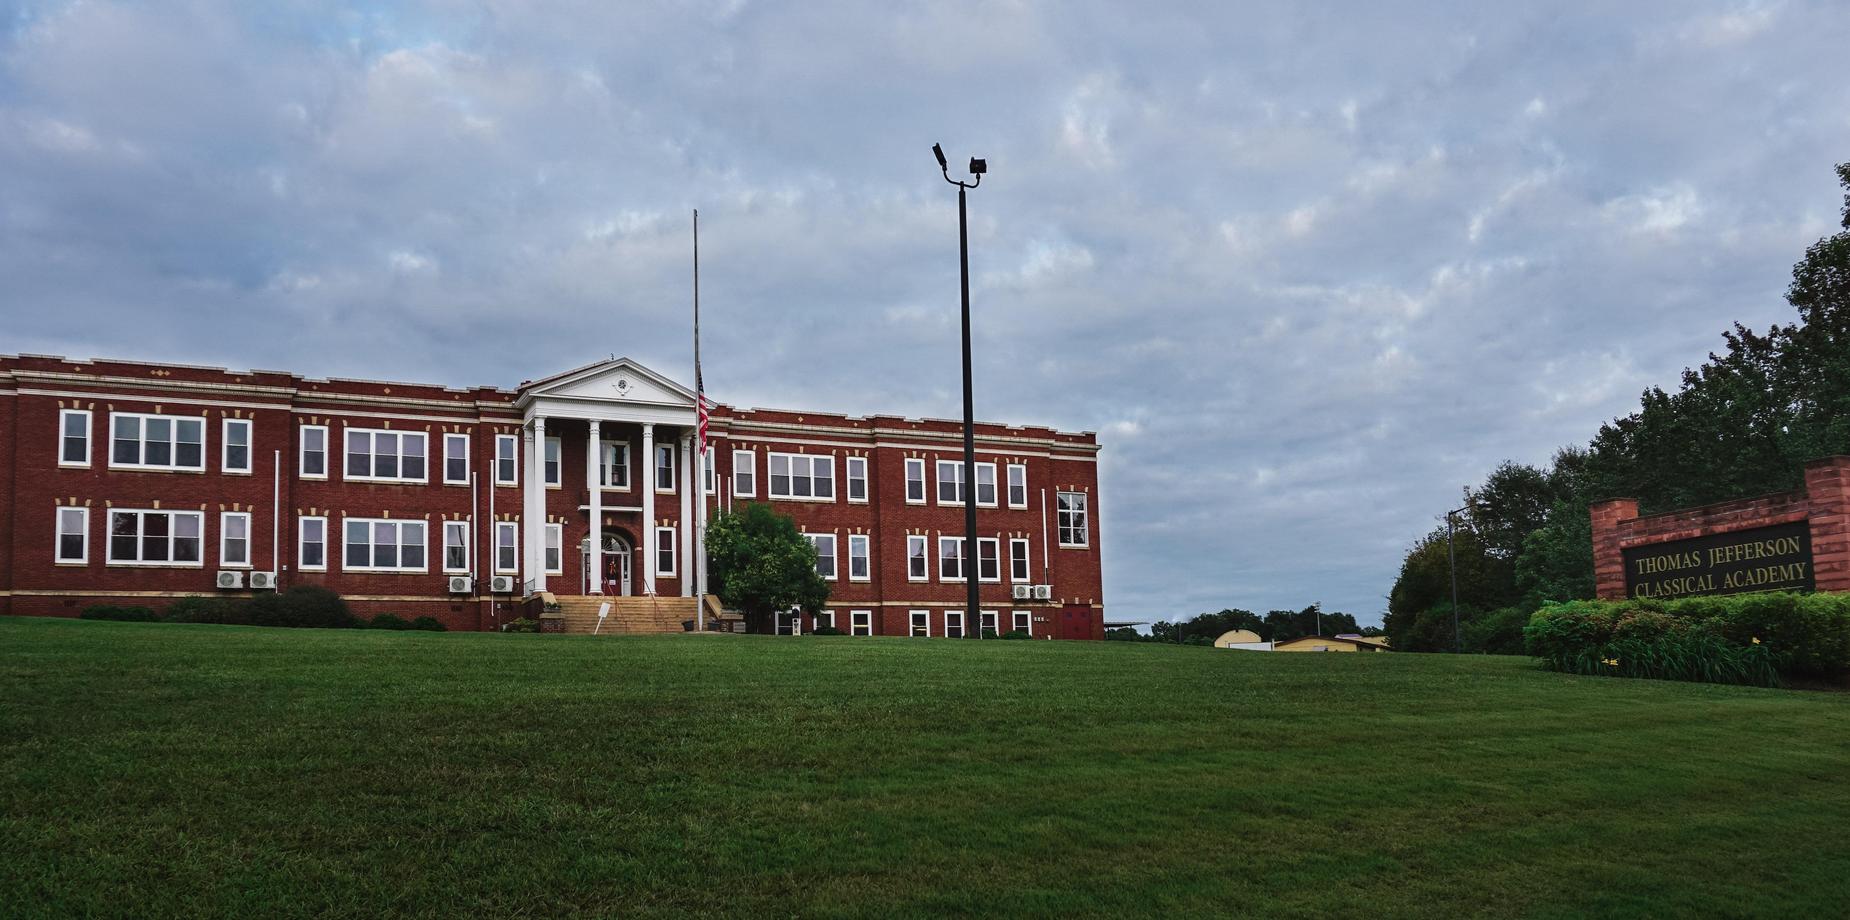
x=639 y=464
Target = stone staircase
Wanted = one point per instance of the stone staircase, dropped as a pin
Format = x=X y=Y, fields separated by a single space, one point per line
x=628 y=615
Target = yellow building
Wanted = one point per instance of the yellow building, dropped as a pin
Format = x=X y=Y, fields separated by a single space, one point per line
x=1332 y=644
x=1242 y=638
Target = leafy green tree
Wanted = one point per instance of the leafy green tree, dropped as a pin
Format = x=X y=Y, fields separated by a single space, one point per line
x=1485 y=582
x=1513 y=501
x=759 y=563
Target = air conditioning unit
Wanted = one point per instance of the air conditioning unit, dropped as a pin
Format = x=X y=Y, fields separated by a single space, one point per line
x=459 y=584
x=501 y=584
x=1043 y=592
x=1023 y=592
x=263 y=581
x=230 y=580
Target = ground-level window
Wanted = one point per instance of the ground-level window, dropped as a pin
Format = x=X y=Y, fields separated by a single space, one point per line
x=1024 y=622
x=456 y=546
x=921 y=622
x=1074 y=531
x=861 y=622
x=73 y=535
x=507 y=547
x=954 y=624
x=859 y=567
x=381 y=545
x=915 y=481
x=825 y=554
x=312 y=544
x=156 y=538
x=1020 y=569
x=74 y=437
x=234 y=539
x=790 y=622
x=988 y=624
x=918 y=563
x=664 y=550
x=555 y=549
x=825 y=619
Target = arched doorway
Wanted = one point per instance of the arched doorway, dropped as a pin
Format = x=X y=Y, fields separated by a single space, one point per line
x=619 y=563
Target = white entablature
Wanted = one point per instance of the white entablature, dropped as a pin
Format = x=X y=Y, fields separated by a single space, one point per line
x=617 y=390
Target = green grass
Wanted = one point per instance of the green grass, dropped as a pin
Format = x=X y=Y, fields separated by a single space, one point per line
x=158 y=770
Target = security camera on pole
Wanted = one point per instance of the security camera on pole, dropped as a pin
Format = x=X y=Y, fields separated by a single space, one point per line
x=973 y=610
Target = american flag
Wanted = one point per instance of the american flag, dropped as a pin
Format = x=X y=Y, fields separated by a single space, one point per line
x=700 y=386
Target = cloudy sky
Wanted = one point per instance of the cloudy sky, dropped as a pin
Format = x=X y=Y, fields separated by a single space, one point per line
x=1306 y=271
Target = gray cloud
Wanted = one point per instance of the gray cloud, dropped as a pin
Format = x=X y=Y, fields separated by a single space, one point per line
x=1306 y=271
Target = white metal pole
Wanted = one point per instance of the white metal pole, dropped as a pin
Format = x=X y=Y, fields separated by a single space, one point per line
x=276 y=509
x=494 y=547
x=1046 y=558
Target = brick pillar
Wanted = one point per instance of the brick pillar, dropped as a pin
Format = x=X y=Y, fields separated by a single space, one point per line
x=1827 y=498
x=1608 y=561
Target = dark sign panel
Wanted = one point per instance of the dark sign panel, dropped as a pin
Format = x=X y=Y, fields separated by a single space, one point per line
x=1776 y=558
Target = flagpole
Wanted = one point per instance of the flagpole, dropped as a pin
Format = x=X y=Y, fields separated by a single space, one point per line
x=700 y=484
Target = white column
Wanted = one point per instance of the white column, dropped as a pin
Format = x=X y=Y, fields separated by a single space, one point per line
x=684 y=534
x=648 y=508
x=533 y=517
x=595 y=559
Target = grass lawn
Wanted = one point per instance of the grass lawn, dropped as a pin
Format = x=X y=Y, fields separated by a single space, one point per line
x=158 y=770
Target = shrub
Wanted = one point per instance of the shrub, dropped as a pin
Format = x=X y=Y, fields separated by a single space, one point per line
x=120 y=614
x=522 y=625
x=389 y=621
x=199 y=609
x=1748 y=638
x=826 y=631
x=429 y=624
x=1017 y=634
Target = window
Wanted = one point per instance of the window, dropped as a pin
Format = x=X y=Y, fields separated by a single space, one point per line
x=986 y=485
x=953 y=624
x=664 y=467
x=74 y=437
x=1072 y=519
x=950 y=482
x=803 y=476
x=456 y=459
x=1024 y=622
x=613 y=464
x=314 y=451
x=234 y=539
x=744 y=473
x=507 y=460
x=171 y=538
x=860 y=622
x=1018 y=485
x=921 y=622
x=707 y=472
x=507 y=547
x=825 y=554
x=858 y=565
x=237 y=450
x=918 y=563
x=378 y=455
x=825 y=619
x=73 y=536
x=312 y=544
x=379 y=545
x=552 y=468
x=664 y=550
x=988 y=559
x=554 y=563
x=950 y=558
x=456 y=546
x=857 y=479
x=915 y=481
x=1019 y=568
x=986 y=622
x=157 y=442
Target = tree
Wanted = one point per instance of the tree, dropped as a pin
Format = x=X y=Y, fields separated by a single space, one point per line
x=1485 y=582
x=759 y=563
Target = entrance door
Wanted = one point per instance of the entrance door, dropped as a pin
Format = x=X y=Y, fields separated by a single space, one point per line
x=618 y=558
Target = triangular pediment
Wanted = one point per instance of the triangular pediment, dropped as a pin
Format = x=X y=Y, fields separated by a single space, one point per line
x=615 y=380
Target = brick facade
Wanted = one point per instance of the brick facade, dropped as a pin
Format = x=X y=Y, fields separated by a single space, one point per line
x=281 y=407
x=1824 y=502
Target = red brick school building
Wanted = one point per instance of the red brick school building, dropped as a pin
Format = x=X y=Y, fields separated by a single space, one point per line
x=137 y=483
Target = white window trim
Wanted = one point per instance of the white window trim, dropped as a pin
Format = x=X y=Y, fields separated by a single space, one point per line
x=926 y=543
x=467 y=458
x=963 y=560
x=109 y=549
x=937 y=484
x=89 y=438
x=925 y=485
x=513 y=529
x=204 y=442
x=515 y=465
x=327 y=444
x=1024 y=617
x=554 y=534
x=812 y=459
x=994 y=617
x=912 y=623
x=962 y=627
x=994 y=484
x=623 y=450
x=751 y=473
x=674 y=553
x=374 y=432
x=1006 y=485
x=301 y=541
x=990 y=541
x=708 y=471
x=224 y=446
x=817 y=622
x=398 y=529
x=58 y=534
x=555 y=446
x=860 y=622
x=674 y=461
x=224 y=538
x=834 y=553
x=1059 y=533
x=1027 y=556
x=849 y=478
x=867 y=552
x=464 y=527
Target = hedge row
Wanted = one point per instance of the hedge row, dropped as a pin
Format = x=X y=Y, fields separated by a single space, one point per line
x=304 y=606
x=1741 y=639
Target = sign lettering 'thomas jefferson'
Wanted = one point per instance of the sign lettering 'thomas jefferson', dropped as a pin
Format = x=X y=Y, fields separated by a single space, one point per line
x=1776 y=558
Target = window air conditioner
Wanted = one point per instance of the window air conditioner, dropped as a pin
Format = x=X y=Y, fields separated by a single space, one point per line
x=229 y=580
x=459 y=584
x=1023 y=592
x=501 y=584
x=1043 y=592
x=263 y=581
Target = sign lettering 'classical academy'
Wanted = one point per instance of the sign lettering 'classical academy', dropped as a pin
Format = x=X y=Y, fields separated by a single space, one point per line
x=1776 y=558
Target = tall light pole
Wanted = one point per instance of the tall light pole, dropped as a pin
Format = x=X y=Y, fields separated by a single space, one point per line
x=1451 y=555
x=973 y=609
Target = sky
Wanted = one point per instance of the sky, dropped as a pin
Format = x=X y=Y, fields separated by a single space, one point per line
x=1306 y=269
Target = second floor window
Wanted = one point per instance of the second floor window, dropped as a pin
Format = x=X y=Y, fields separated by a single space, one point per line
x=951 y=558
x=613 y=467
x=456 y=459
x=237 y=457
x=986 y=484
x=803 y=476
x=825 y=554
x=385 y=456
x=374 y=545
x=156 y=538
x=1074 y=530
x=664 y=467
x=1018 y=485
x=857 y=479
x=507 y=549
x=74 y=437
x=507 y=460
x=918 y=563
x=456 y=546
x=234 y=538
x=314 y=452
x=157 y=442
x=553 y=468
x=859 y=567
x=1019 y=563
x=950 y=482
x=312 y=551
x=915 y=481
x=744 y=473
